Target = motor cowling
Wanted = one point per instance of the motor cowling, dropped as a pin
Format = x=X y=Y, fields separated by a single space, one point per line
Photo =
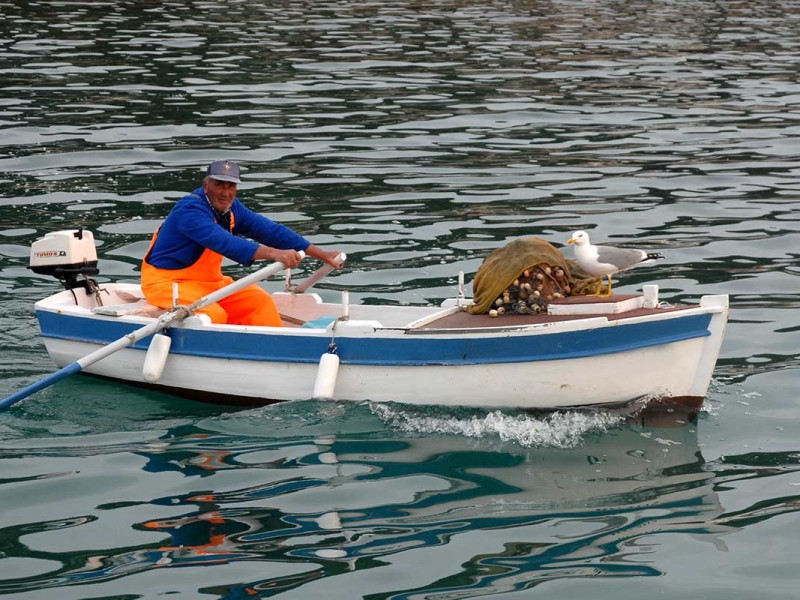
x=65 y=255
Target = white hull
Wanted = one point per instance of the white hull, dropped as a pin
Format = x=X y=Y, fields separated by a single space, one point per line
x=602 y=379
x=633 y=367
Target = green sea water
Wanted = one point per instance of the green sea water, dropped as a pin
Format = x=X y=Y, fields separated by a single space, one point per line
x=415 y=137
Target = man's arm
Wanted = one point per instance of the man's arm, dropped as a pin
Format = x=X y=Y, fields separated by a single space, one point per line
x=279 y=242
x=291 y=258
x=326 y=256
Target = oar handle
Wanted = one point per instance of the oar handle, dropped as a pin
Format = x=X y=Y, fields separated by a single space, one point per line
x=167 y=319
x=318 y=274
x=239 y=284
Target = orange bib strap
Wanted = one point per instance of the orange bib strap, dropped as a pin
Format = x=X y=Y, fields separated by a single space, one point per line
x=250 y=306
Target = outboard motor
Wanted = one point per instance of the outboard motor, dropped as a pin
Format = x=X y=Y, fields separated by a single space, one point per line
x=67 y=255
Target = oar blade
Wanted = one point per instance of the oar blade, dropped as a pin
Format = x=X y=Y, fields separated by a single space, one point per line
x=62 y=373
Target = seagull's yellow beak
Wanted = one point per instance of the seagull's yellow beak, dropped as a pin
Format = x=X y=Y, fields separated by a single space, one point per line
x=571 y=241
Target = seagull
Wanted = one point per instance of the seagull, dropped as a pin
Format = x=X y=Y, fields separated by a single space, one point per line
x=604 y=261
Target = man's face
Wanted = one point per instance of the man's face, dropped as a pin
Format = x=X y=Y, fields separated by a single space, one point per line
x=220 y=193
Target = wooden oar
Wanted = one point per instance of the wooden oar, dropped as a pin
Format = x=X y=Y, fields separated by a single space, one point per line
x=317 y=275
x=165 y=320
x=307 y=283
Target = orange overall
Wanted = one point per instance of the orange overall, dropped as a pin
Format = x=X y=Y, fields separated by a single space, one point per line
x=249 y=306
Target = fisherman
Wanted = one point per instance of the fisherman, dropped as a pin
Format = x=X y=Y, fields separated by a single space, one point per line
x=201 y=229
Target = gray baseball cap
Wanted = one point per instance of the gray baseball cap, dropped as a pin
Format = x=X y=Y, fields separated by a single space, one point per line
x=224 y=170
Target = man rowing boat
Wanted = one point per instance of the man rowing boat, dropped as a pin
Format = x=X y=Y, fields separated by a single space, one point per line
x=207 y=225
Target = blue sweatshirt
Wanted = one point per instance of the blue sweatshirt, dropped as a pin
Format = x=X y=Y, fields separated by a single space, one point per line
x=191 y=227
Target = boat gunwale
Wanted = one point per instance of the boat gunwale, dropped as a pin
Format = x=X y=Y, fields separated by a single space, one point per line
x=391 y=348
x=466 y=324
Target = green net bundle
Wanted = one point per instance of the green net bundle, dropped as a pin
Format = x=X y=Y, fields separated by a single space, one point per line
x=524 y=276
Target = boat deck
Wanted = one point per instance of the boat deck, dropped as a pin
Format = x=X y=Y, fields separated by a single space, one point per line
x=297 y=309
x=464 y=320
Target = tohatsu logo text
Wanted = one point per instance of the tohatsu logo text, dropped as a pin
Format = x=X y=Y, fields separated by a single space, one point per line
x=50 y=254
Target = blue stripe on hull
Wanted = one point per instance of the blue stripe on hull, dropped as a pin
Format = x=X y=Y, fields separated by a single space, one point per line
x=412 y=350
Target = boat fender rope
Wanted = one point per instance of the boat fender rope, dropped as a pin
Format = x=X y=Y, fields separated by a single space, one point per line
x=332 y=344
x=332 y=347
x=328 y=369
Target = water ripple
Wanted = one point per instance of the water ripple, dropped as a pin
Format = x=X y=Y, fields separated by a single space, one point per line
x=417 y=139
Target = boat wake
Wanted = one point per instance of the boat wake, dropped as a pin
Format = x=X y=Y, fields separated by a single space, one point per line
x=565 y=429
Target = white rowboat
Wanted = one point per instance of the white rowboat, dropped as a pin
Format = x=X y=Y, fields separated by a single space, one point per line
x=585 y=352
x=409 y=354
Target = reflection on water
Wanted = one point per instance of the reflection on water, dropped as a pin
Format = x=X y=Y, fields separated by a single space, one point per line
x=356 y=502
x=465 y=515
x=417 y=138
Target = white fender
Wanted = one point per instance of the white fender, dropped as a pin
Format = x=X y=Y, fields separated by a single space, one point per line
x=325 y=382
x=156 y=358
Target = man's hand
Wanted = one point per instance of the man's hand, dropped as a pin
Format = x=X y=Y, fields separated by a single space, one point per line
x=326 y=256
x=290 y=258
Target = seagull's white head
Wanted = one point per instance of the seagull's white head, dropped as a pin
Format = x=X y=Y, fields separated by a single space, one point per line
x=580 y=238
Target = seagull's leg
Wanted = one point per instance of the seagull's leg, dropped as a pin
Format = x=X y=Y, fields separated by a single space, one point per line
x=599 y=285
x=609 y=286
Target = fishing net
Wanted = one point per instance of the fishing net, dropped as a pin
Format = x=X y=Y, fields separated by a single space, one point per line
x=525 y=275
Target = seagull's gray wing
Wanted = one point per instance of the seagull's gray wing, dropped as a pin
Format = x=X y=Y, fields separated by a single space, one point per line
x=621 y=258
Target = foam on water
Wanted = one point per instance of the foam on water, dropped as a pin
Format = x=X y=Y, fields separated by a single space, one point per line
x=558 y=429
